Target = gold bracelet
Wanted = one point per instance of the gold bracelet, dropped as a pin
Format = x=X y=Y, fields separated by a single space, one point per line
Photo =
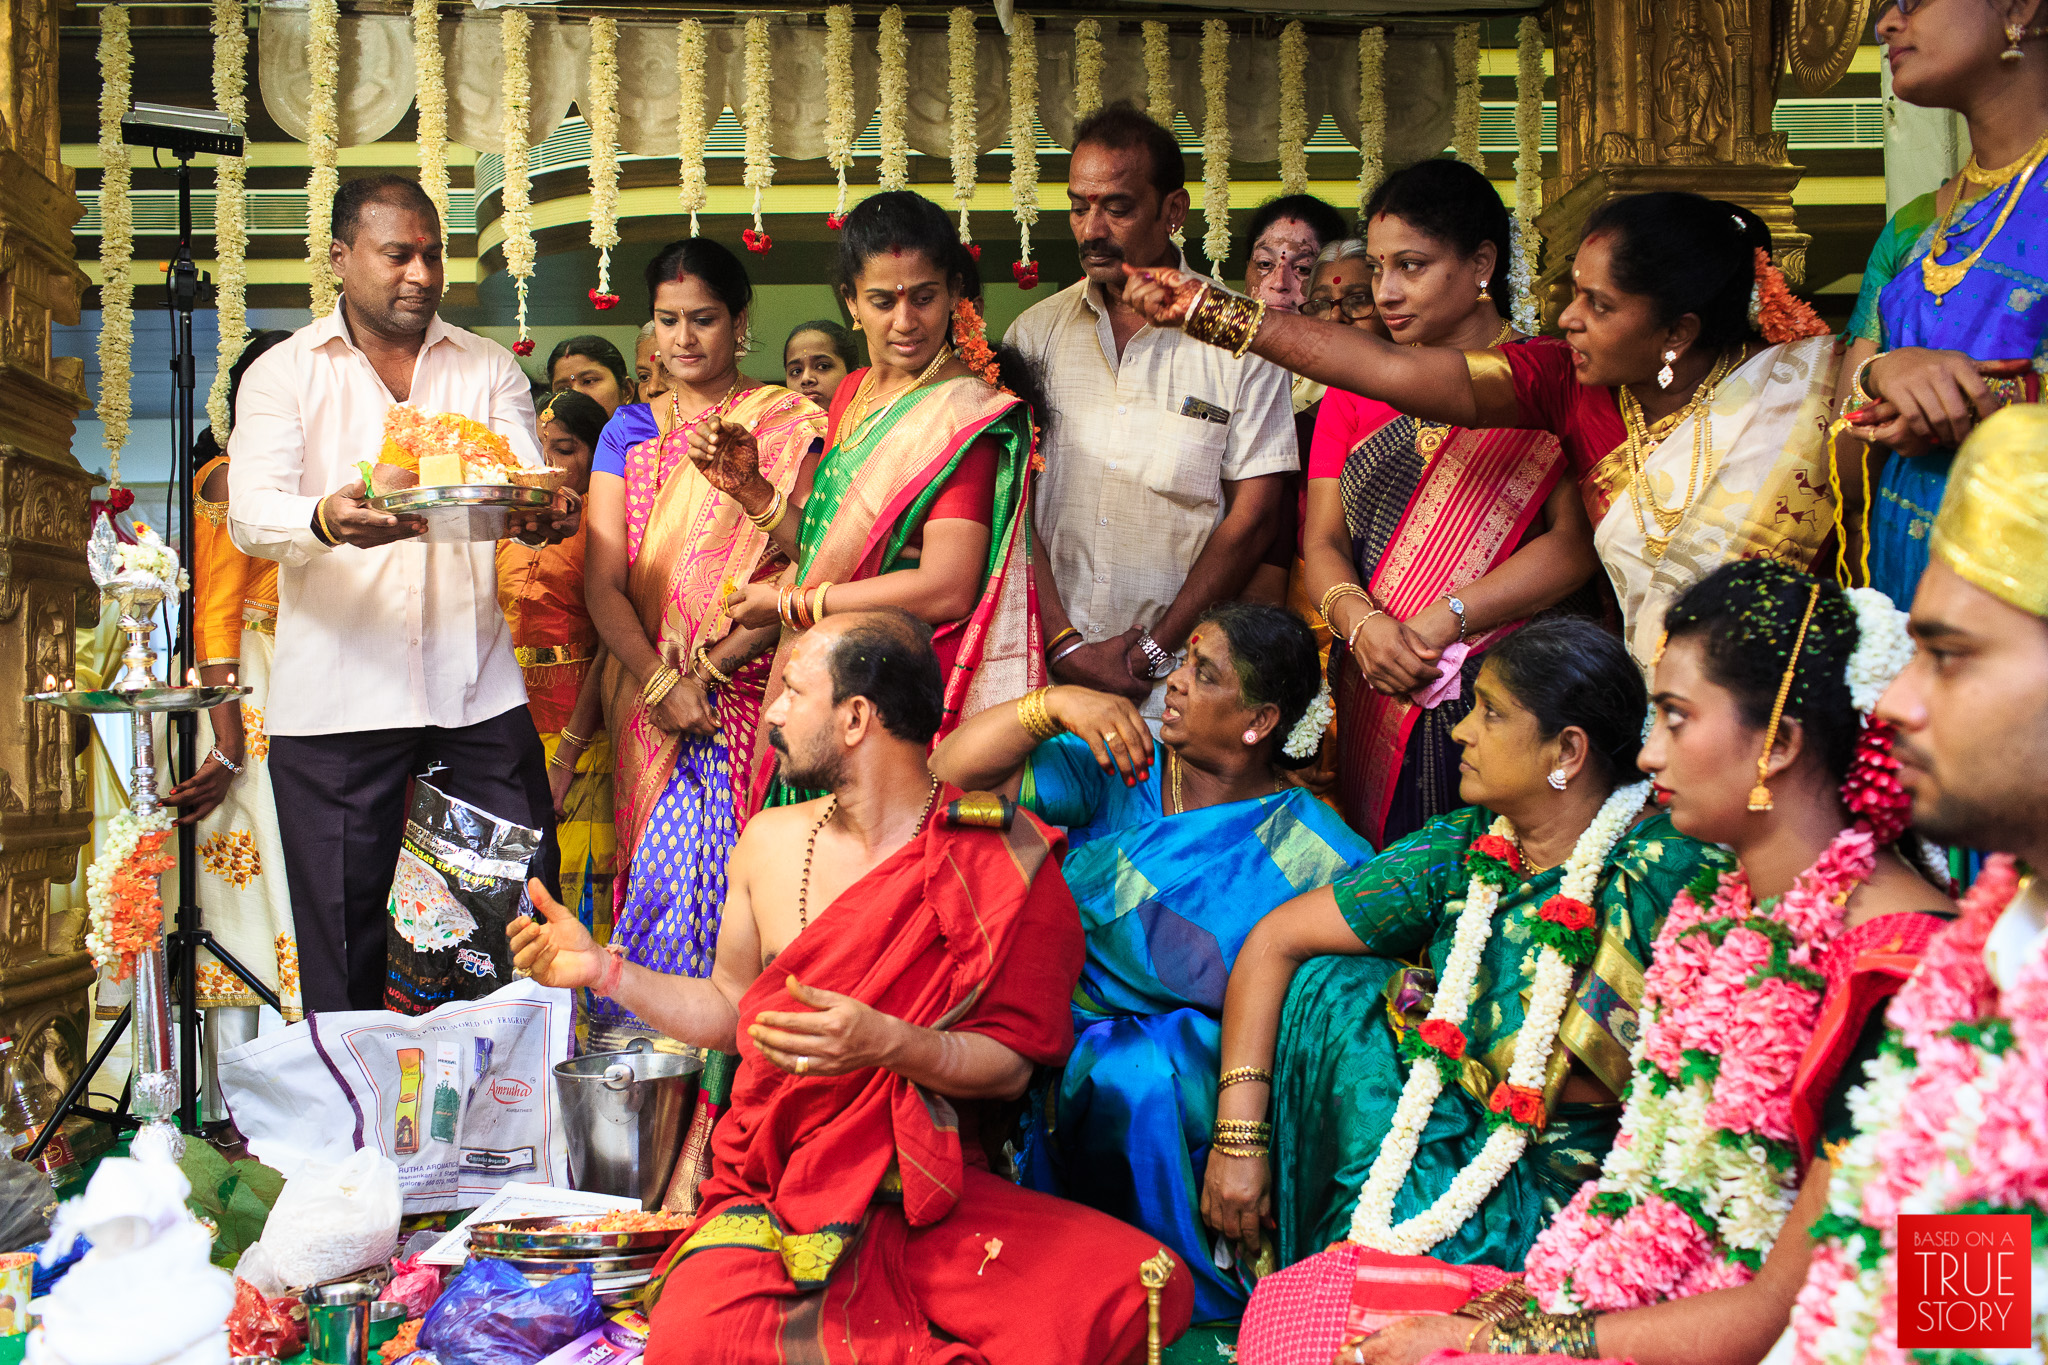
x=818 y=601
x=778 y=507
x=1561 y=1334
x=320 y=515
x=1243 y=1130
x=569 y=736
x=1499 y=1305
x=1237 y=1074
x=1035 y=718
x=1473 y=1335
x=702 y=659
x=1224 y=319
x=1234 y=1149
x=660 y=685
x=1860 y=396
x=1337 y=594
x=555 y=760
x=785 y=609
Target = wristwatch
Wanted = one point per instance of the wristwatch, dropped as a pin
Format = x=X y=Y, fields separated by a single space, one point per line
x=1457 y=606
x=1156 y=655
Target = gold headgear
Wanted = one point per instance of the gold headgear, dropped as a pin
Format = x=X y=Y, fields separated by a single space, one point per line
x=1760 y=794
x=1993 y=524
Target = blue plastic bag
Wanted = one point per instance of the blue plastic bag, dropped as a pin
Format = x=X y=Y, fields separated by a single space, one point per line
x=490 y=1315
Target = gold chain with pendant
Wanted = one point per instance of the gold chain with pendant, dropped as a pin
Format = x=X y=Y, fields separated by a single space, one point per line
x=857 y=411
x=1430 y=436
x=1938 y=278
x=1643 y=438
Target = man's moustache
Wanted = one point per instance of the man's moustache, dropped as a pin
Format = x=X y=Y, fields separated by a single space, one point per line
x=775 y=741
x=1102 y=246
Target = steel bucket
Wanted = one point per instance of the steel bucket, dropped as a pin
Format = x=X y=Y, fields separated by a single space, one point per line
x=625 y=1114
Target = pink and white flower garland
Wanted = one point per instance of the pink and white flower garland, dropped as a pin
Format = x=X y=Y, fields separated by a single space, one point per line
x=1704 y=1170
x=1516 y=1106
x=1953 y=1119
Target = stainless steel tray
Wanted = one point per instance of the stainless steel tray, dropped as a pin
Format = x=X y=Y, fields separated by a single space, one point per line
x=544 y=1237
x=108 y=702
x=600 y=1266
x=464 y=512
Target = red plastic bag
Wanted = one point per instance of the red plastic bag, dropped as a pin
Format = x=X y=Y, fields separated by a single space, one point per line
x=413 y=1284
x=259 y=1326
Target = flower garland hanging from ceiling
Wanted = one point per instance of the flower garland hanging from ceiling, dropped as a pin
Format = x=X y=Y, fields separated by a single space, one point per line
x=1087 y=67
x=1024 y=144
x=323 y=148
x=960 y=113
x=516 y=100
x=1372 y=111
x=760 y=154
x=1158 y=74
x=431 y=83
x=1216 y=143
x=603 y=118
x=839 y=129
x=230 y=228
x=117 y=238
x=1528 y=170
x=691 y=186
x=1465 y=112
x=893 y=47
x=1294 y=109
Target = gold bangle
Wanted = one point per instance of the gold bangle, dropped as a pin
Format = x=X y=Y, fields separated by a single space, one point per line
x=1480 y=1326
x=1224 y=319
x=1243 y=1130
x=1035 y=718
x=320 y=515
x=818 y=601
x=1238 y=1074
x=569 y=736
x=1337 y=594
x=702 y=659
x=1234 y=1149
x=1499 y=1305
x=784 y=608
x=660 y=685
x=778 y=507
x=1860 y=395
x=1563 y=1334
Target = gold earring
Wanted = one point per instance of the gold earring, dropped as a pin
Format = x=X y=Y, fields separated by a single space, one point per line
x=2013 y=33
x=1760 y=794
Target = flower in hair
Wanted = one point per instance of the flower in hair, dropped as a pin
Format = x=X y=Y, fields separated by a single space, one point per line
x=1780 y=315
x=1883 y=648
x=1307 y=734
x=1872 y=792
x=970 y=339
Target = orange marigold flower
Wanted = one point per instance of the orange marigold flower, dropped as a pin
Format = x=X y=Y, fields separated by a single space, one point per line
x=1780 y=315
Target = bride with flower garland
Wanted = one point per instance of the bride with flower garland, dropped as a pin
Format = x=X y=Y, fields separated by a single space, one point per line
x=1456 y=1103
x=1762 y=1000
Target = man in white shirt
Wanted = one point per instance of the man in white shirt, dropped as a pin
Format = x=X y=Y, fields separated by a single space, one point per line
x=392 y=655
x=1165 y=460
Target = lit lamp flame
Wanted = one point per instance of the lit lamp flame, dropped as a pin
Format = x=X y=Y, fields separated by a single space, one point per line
x=231 y=680
x=191 y=677
x=49 y=683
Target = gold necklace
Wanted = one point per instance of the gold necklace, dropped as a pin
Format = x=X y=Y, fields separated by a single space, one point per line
x=803 y=890
x=1430 y=436
x=857 y=411
x=675 y=404
x=1173 y=772
x=1643 y=439
x=1938 y=278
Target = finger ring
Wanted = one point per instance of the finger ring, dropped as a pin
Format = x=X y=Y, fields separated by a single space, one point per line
x=1110 y=737
x=803 y=1066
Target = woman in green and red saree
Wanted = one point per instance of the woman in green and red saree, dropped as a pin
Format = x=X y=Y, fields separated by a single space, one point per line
x=922 y=498
x=1428 y=544
x=682 y=683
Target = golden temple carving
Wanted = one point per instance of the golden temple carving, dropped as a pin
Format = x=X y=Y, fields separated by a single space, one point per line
x=45 y=800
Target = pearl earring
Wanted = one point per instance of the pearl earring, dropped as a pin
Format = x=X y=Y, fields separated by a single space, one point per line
x=1485 y=294
x=1665 y=376
x=1251 y=737
x=1557 y=779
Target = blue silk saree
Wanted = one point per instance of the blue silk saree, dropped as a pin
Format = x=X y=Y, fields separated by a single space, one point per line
x=1166 y=903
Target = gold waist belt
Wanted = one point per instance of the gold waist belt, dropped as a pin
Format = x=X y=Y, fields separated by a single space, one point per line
x=534 y=656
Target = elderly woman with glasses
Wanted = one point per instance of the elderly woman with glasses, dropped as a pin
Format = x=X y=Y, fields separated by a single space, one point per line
x=1426 y=545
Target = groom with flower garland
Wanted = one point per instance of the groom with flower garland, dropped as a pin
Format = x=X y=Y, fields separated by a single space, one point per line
x=1967 y=1058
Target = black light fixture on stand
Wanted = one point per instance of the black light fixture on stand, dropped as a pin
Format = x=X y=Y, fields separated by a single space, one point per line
x=184 y=133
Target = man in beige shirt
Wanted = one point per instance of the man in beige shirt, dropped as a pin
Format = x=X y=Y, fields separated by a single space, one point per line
x=1165 y=460
x=392 y=655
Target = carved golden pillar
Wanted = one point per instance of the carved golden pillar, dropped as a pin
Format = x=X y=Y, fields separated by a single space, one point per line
x=1677 y=95
x=45 y=801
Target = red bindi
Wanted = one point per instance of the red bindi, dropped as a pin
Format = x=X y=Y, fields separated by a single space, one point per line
x=1336 y=279
x=895 y=250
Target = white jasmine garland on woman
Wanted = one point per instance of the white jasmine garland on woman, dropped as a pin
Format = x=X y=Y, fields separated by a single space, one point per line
x=603 y=118
x=1215 y=142
x=1087 y=67
x=230 y=229
x=892 y=46
x=1372 y=1223
x=960 y=109
x=1528 y=170
x=1294 y=109
x=515 y=28
x=323 y=148
x=1024 y=134
x=839 y=129
x=1372 y=112
x=432 y=98
x=1465 y=111
x=691 y=187
x=117 y=238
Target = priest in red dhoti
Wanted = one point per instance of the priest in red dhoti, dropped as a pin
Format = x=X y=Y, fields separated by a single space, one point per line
x=850 y=1214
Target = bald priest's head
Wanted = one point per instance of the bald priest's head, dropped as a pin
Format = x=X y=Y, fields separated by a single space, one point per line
x=859 y=688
